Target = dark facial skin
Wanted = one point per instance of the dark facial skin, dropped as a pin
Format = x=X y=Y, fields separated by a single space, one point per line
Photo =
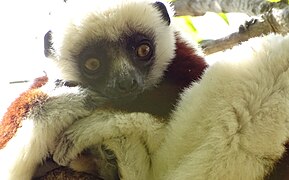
x=117 y=70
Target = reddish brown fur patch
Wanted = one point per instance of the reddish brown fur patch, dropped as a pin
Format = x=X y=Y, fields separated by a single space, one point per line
x=187 y=66
x=17 y=111
x=38 y=82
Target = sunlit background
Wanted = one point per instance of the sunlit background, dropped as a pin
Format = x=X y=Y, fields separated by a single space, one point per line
x=24 y=23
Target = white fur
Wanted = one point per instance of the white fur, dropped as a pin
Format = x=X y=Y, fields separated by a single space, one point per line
x=233 y=124
x=89 y=20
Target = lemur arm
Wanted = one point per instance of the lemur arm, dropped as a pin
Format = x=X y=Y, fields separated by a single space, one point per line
x=137 y=133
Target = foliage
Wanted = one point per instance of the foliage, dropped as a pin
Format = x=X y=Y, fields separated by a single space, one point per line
x=187 y=24
x=276 y=1
x=224 y=17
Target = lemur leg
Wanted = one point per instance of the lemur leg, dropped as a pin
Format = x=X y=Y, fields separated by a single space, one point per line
x=234 y=123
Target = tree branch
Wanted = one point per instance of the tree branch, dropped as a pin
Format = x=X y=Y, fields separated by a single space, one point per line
x=63 y=173
x=250 y=7
x=253 y=28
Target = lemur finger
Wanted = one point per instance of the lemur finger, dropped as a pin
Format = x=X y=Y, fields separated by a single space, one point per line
x=65 y=150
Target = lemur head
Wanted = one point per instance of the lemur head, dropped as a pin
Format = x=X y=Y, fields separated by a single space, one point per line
x=117 y=48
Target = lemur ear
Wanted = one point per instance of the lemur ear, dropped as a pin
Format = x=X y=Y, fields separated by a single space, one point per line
x=48 y=49
x=162 y=8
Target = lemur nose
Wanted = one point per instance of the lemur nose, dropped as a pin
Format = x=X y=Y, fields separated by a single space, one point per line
x=126 y=85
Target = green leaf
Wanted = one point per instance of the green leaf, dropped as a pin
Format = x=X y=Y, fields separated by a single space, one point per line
x=224 y=17
x=186 y=24
x=275 y=1
x=190 y=24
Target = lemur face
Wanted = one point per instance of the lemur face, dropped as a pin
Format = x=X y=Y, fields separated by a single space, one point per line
x=117 y=68
x=118 y=51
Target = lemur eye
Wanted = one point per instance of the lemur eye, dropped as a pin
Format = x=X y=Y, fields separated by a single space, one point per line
x=92 y=64
x=144 y=51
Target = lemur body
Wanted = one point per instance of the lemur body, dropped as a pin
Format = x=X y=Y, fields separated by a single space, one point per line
x=219 y=123
x=232 y=124
x=108 y=55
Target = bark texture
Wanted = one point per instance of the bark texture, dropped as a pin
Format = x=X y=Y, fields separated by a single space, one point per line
x=267 y=17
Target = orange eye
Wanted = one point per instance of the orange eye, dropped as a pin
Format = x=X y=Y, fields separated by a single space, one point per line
x=144 y=51
x=92 y=64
